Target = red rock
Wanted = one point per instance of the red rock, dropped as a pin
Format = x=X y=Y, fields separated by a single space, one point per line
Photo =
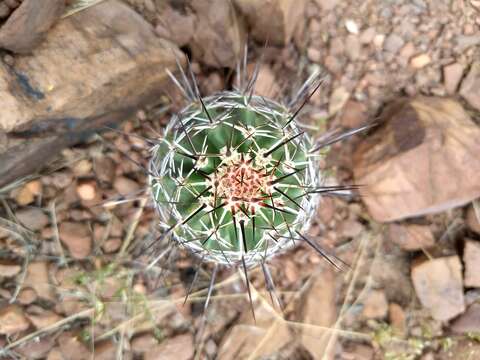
x=411 y=237
x=397 y=318
x=438 y=284
x=354 y=114
x=471 y=258
x=77 y=239
x=179 y=347
x=12 y=320
x=32 y=218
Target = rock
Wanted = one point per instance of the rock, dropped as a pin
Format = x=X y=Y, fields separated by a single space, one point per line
x=404 y=164
x=367 y=35
x=41 y=318
x=471 y=258
x=143 y=343
x=397 y=318
x=353 y=47
x=36 y=349
x=26 y=28
x=327 y=5
x=438 y=285
x=274 y=22
x=375 y=305
x=266 y=84
x=12 y=320
x=26 y=296
x=175 y=26
x=219 y=35
x=61 y=78
x=354 y=114
x=33 y=218
x=469 y=321
x=104 y=168
x=393 y=43
x=420 y=61
x=470 y=88
x=407 y=51
x=179 y=347
x=468 y=349
x=26 y=194
x=9 y=269
x=55 y=354
x=38 y=279
x=473 y=219
x=112 y=245
x=125 y=186
x=87 y=191
x=411 y=237
x=105 y=350
x=338 y=99
x=82 y=168
x=77 y=239
x=320 y=294
x=351 y=26
x=314 y=54
x=72 y=348
x=452 y=74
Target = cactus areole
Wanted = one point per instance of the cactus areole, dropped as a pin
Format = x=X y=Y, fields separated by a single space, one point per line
x=231 y=178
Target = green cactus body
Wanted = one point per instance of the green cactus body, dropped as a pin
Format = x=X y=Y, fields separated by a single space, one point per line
x=231 y=178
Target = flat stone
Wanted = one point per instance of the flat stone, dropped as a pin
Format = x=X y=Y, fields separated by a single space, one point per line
x=338 y=99
x=125 y=186
x=33 y=218
x=77 y=239
x=38 y=279
x=452 y=74
x=411 y=237
x=471 y=258
x=266 y=84
x=420 y=61
x=439 y=287
x=469 y=321
x=179 y=347
x=12 y=320
x=8 y=269
x=375 y=305
x=470 y=88
x=405 y=162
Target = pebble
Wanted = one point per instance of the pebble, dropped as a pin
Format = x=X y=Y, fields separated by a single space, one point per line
x=26 y=296
x=143 y=343
x=125 y=186
x=32 y=218
x=470 y=88
x=452 y=74
x=12 y=320
x=26 y=194
x=411 y=237
x=338 y=99
x=77 y=239
x=38 y=279
x=314 y=54
x=41 y=318
x=351 y=26
x=8 y=269
x=353 y=47
x=354 y=114
x=420 y=61
x=266 y=84
x=375 y=305
x=439 y=286
x=471 y=258
x=393 y=43
x=179 y=347
x=87 y=191
x=397 y=318
x=469 y=321
x=367 y=35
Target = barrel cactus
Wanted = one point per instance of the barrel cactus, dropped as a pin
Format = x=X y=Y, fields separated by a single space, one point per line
x=235 y=178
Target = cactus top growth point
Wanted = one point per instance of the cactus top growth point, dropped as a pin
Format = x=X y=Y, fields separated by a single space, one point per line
x=234 y=178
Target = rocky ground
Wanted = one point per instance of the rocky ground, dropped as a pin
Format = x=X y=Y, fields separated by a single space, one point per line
x=73 y=283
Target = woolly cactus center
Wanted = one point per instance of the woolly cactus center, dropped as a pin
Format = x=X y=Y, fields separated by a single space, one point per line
x=242 y=184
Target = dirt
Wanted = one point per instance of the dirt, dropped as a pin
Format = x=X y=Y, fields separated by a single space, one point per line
x=73 y=237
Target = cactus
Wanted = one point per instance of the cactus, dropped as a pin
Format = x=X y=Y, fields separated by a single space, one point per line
x=235 y=179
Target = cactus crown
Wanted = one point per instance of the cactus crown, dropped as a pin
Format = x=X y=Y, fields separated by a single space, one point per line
x=234 y=178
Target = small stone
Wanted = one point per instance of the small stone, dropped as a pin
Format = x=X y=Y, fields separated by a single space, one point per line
x=76 y=238
x=32 y=218
x=125 y=186
x=469 y=321
x=72 y=348
x=9 y=269
x=327 y=5
x=36 y=349
x=353 y=47
x=397 y=318
x=87 y=191
x=12 y=320
x=411 y=237
x=112 y=245
x=452 y=74
x=314 y=54
x=351 y=26
x=367 y=36
x=177 y=348
x=378 y=40
x=38 y=279
x=407 y=51
x=470 y=88
x=438 y=285
x=471 y=258
x=266 y=84
x=338 y=99
x=26 y=194
x=375 y=305
x=420 y=61
x=82 y=168
x=26 y=296
x=143 y=343
x=393 y=43
x=104 y=168
x=41 y=318
x=473 y=219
